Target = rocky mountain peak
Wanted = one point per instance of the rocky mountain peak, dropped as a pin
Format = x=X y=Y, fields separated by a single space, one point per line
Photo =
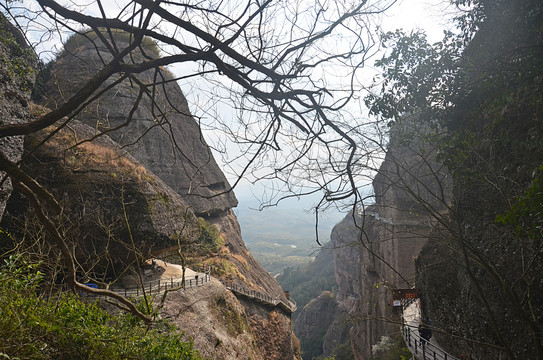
x=160 y=133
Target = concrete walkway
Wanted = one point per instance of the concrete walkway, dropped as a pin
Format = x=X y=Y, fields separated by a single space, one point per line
x=428 y=351
x=289 y=306
x=163 y=276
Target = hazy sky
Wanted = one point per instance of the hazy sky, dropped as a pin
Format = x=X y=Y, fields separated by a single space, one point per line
x=430 y=16
x=406 y=14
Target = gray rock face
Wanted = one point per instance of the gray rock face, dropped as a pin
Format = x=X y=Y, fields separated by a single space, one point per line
x=117 y=210
x=160 y=132
x=316 y=316
x=376 y=248
x=344 y=238
x=17 y=64
x=136 y=190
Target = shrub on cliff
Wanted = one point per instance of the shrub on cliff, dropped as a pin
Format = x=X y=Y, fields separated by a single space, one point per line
x=68 y=328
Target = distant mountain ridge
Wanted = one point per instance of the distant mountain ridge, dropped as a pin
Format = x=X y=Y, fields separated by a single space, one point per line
x=283 y=236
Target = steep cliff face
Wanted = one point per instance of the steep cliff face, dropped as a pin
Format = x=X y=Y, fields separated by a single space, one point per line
x=160 y=132
x=488 y=285
x=314 y=321
x=375 y=249
x=162 y=136
x=114 y=209
x=346 y=262
x=17 y=64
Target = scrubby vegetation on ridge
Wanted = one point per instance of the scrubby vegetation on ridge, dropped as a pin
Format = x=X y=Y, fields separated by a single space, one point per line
x=148 y=46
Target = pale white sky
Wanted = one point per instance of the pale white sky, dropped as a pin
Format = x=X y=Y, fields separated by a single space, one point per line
x=433 y=16
x=429 y=15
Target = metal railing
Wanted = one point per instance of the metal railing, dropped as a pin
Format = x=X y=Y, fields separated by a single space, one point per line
x=158 y=286
x=289 y=306
x=422 y=349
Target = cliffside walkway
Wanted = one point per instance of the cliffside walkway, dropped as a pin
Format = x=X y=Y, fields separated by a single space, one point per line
x=429 y=350
x=197 y=278
x=154 y=287
x=161 y=285
x=289 y=306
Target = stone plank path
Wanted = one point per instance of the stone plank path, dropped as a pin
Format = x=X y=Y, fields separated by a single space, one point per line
x=429 y=351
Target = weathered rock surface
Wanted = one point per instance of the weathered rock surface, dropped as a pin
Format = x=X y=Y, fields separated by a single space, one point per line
x=215 y=320
x=346 y=261
x=324 y=321
x=272 y=331
x=315 y=318
x=174 y=149
x=115 y=208
x=223 y=326
x=99 y=184
x=17 y=63
x=160 y=132
x=375 y=249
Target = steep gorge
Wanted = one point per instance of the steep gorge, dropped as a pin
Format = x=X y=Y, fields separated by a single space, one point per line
x=466 y=234
x=375 y=248
x=142 y=184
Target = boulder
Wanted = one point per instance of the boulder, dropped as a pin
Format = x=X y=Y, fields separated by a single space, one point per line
x=159 y=132
x=114 y=210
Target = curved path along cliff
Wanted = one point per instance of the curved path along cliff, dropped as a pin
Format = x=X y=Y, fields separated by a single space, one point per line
x=289 y=306
x=431 y=350
x=166 y=276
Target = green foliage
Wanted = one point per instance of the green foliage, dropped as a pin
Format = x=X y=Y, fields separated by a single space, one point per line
x=17 y=67
x=209 y=236
x=67 y=328
x=17 y=273
x=312 y=347
x=148 y=46
x=344 y=352
x=527 y=213
x=416 y=75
